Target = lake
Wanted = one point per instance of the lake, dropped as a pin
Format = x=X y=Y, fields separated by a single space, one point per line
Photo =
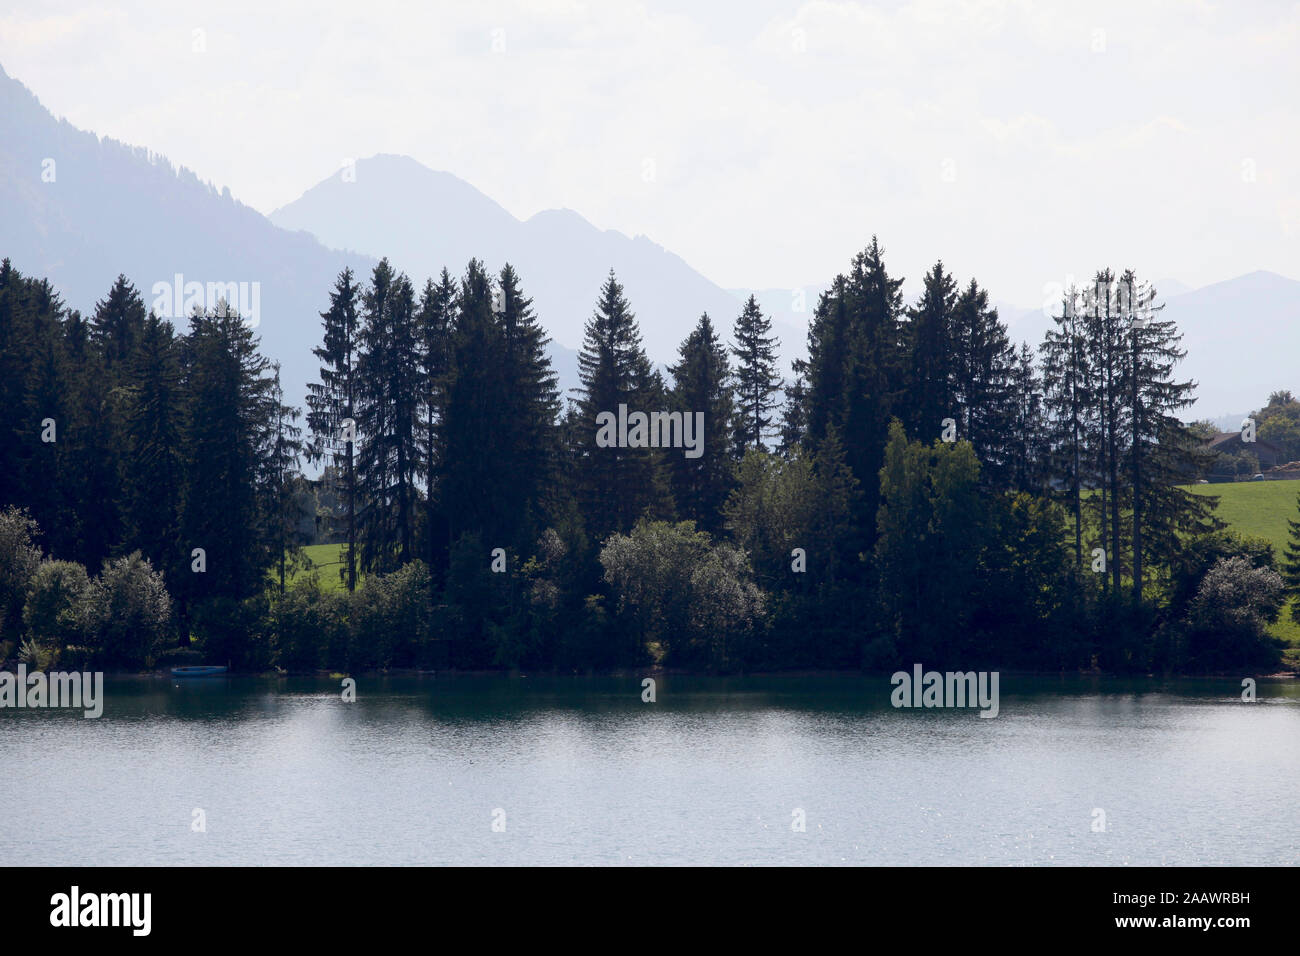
x=546 y=770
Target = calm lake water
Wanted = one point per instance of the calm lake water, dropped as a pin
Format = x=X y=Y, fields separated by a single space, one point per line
x=711 y=773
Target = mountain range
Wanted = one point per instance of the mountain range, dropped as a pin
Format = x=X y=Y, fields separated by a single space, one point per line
x=79 y=209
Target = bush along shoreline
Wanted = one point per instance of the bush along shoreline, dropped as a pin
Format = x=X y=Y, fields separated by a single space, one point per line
x=121 y=621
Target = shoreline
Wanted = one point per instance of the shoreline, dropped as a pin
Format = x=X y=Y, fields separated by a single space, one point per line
x=668 y=672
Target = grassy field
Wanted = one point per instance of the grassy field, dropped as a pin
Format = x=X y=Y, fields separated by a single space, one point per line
x=1262 y=509
x=327 y=560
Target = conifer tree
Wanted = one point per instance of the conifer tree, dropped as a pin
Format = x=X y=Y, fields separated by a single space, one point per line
x=472 y=482
x=756 y=376
x=279 y=456
x=118 y=324
x=1109 y=418
x=153 y=469
x=930 y=383
x=93 y=451
x=873 y=376
x=1026 y=443
x=1067 y=400
x=1162 y=450
x=794 y=414
x=701 y=384
x=529 y=409
x=389 y=397
x=982 y=363
x=618 y=484
x=828 y=338
x=332 y=409
x=228 y=386
x=1291 y=563
x=437 y=321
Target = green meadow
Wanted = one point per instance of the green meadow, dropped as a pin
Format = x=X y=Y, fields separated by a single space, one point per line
x=1261 y=509
x=326 y=563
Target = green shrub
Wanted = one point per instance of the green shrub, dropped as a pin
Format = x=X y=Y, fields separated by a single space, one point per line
x=304 y=622
x=1227 y=621
x=390 y=618
x=126 y=613
x=19 y=560
x=52 y=614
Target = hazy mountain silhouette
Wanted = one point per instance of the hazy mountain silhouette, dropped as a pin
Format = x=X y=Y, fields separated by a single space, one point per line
x=423 y=219
x=79 y=209
x=112 y=208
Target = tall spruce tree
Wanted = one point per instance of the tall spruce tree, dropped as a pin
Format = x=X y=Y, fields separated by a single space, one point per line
x=616 y=484
x=228 y=386
x=118 y=324
x=389 y=398
x=1026 y=441
x=1109 y=416
x=828 y=338
x=280 y=480
x=982 y=363
x=529 y=411
x=1291 y=563
x=756 y=376
x=473 y=475
x=332 y=409
x=153 y=468
x=94 y=450
x=794 y=414
x=1163 y=451
x=930 y=383
x=53 y=432
x=873 y=376
x=701 y=384
x=437 y=322
x=1067 y=400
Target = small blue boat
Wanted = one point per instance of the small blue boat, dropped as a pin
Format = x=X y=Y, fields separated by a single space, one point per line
x=199 y=670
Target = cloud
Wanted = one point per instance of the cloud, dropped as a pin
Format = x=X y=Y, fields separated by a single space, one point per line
x=1018 y=141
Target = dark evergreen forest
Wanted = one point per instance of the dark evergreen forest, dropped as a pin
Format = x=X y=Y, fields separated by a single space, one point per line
x=921 y=489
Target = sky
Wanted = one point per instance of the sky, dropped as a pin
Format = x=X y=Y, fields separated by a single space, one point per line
x=763 y=142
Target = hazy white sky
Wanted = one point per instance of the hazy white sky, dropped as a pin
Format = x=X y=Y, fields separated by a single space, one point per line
x=762 y=141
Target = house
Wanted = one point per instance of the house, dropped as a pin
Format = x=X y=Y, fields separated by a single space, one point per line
x=1235 y=456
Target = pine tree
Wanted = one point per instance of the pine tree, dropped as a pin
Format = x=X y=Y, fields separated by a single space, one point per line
x=49 y=477
x=1105 y=332
x=472 y=481
x=873 y=376
x=332 y=405
x=982 y=363
x=930 y=383
x=794 y=414
x=1163 y=450
x=1026 y=443
x=118 y=324
x=1291 y=563
x=529 y=409
x=1067 y=399
x=437 y=321
x=93 y=440
x=616 y=485
x=756 y=377
x=153 y=465
x=388 y=401
x=828 y=338
x=701 y=384
x=228 y=384
x=279 y=455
